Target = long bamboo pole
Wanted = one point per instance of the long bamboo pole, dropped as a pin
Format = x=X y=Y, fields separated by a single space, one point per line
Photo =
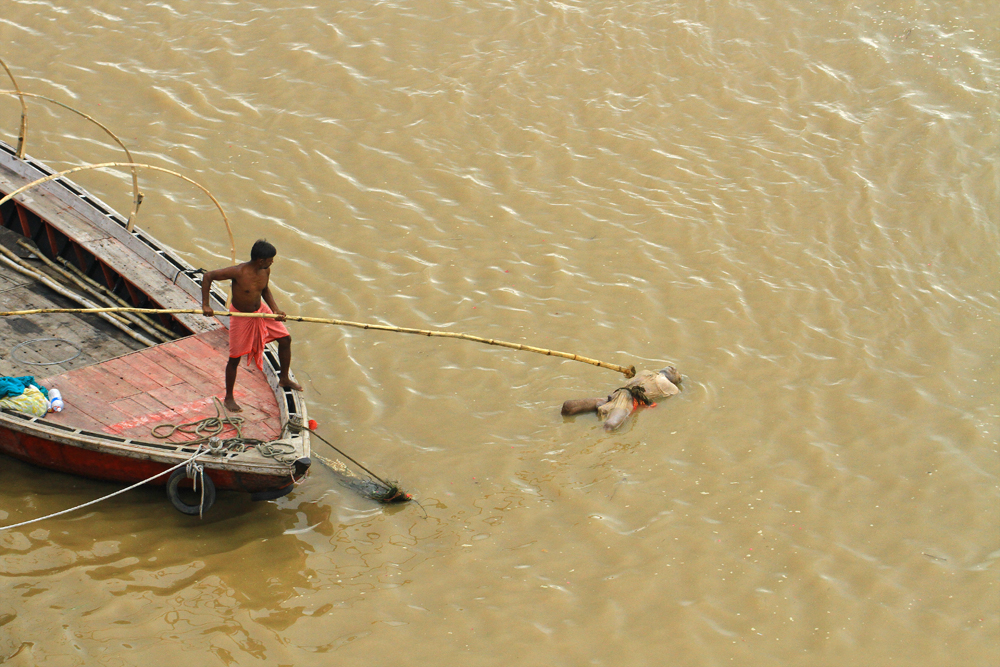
x=126 y=319
x=8 y=258
x=628 y=371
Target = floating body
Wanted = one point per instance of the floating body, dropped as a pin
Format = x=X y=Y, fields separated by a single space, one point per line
x=645 y=388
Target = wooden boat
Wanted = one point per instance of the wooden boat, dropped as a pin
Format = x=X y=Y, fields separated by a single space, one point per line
x=116 y=385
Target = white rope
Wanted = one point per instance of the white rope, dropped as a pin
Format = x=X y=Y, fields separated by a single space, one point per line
x=110 y=495
x=196 y=471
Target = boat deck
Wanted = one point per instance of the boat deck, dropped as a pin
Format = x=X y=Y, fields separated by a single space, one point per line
x=171 y=383
x=116 y=386
x=117 y=390
x=110 y=383
x=66 y=221
x=92 y=337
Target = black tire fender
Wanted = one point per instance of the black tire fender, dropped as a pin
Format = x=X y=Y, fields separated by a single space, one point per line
x=173 y=482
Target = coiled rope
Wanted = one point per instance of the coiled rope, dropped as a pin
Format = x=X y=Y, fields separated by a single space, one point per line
x=206 y=428
x=209 y=428
x=196 y=472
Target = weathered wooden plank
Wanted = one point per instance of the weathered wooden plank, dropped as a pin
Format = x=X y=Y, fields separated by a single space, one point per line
x=85 y=334
x=144 y=364
x=102 y=384
x=151 y=405
x=48 y=207
x=209 y=360
x=84 y=410
x=84 y=230
x=10 y=279
x=254 y=391
x=142 y=274
x=214 y=345
x=119 y=368
x=252 y=388
x=190 y=373
x=260 y=431
x=145 y=414
x=141 y=426
x=180 y=394
x=28 y=360
x=250 y=413
x=191 y=348
x=101 y=218
x=135 y=409
x=96 y=339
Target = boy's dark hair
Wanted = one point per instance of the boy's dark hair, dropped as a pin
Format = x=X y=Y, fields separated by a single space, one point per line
x=262 y=250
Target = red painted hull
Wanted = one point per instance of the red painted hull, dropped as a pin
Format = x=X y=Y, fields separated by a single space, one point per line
x=76 y=460
x=117 y=395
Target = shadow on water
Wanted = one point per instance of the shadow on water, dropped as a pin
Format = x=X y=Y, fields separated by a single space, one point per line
x=137 y=544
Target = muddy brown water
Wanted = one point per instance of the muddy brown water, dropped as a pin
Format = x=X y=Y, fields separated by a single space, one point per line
x=796 y=204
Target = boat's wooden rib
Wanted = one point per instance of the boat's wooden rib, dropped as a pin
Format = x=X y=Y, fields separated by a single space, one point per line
x=117 y=391
x=65 y=220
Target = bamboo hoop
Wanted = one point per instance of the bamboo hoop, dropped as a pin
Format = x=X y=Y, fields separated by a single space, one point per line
x=104 y=165
x=136 y=195
x=628 y=372
x=24 y=112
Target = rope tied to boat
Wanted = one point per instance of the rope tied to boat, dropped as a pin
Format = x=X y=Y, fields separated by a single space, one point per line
x=282 y=452
x=216 y=446
x=209 y=428
x=198 y=453
x=376 y=488
x=196 y=472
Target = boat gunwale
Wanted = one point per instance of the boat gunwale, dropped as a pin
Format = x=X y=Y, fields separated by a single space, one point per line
x=290 y=402
x=164 y=259
x=169 y=454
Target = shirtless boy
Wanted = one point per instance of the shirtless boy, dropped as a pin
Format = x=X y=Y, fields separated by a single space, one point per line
x=248 y=335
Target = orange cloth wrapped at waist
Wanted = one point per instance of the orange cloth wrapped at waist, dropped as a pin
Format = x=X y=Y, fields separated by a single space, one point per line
x=248 y=335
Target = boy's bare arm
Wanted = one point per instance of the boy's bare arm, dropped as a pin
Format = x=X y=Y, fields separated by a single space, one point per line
x=228 y=273
x=269 y=300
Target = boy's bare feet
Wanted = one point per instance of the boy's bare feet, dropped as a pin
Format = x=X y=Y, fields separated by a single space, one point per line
x=232 y=405
x=285 y=381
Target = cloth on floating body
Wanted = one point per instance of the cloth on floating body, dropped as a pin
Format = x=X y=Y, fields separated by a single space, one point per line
x=249 y=335
x=15 y=386
x=645 y=388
